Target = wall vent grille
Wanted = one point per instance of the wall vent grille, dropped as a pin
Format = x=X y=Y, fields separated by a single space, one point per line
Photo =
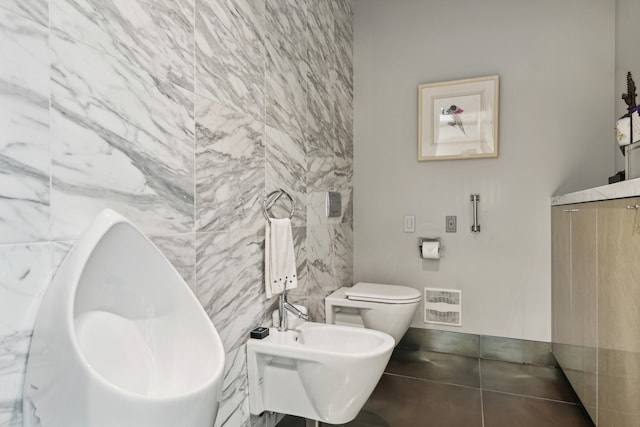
x=443 y=306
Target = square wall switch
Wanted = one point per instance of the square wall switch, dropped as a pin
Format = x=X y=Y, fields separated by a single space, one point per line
x=451 y=223
x=409 y=223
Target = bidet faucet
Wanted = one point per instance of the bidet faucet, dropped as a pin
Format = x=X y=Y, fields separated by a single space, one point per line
x=284 y=307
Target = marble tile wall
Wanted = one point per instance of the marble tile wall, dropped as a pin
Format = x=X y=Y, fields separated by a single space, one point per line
x=182 y=115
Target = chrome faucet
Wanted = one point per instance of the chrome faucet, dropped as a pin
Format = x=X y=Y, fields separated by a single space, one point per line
x=284 y=307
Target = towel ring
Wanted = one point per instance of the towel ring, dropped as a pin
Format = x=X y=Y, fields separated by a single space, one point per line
x=272 y=198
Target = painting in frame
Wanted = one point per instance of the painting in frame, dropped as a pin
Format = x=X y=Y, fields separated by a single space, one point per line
x=458 y=119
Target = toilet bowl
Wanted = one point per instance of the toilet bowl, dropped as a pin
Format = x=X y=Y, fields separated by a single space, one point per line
x=120 y=340
x=386 y=308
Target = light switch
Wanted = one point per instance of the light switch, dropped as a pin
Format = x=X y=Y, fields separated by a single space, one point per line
x=409 y=223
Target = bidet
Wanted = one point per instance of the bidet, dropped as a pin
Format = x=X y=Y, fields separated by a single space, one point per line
x=316 y=371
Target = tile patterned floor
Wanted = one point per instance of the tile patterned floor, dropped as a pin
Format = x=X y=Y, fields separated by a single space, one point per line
x=422 y=388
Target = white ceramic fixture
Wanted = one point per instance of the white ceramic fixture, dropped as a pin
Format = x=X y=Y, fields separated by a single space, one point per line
x=120 y=340
x=386 y=308
x=316 y=371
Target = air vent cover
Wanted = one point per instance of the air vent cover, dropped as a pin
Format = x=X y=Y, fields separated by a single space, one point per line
x=443 y=306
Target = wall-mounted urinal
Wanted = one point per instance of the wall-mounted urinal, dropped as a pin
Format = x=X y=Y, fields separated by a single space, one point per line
x=120 y=340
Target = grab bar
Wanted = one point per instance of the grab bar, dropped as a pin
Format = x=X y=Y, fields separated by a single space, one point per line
x=475 y=199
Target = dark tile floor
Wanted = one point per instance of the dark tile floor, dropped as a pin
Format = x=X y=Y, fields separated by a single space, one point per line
x=422 y=388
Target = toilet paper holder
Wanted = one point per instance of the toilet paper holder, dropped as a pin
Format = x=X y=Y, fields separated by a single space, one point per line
x=422 y=240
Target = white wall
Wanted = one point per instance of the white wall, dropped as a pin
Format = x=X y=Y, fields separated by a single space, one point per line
x=627 y=55
x=556 y=65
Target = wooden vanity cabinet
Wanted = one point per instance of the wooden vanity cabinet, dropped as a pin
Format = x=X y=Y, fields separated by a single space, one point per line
x=619 y=312
x=574 y=278
x=596 y=305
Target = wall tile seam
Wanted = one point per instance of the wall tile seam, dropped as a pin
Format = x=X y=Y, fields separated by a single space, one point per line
x=194 y=271
x=53 y=264
x=333 y=122
x=195 y=95
x=195 y=121
x=233 y=107
x=195 y=232
x=262 y=42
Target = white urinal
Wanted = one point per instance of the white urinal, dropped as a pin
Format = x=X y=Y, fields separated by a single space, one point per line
x=120 y=340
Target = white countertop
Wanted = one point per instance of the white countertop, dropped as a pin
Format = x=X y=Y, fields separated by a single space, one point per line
x=619 y=190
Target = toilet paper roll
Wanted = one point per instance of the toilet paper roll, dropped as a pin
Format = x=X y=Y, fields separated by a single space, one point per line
x=431 y=250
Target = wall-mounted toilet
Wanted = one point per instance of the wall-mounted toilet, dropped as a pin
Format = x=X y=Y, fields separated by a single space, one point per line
x=386 y=308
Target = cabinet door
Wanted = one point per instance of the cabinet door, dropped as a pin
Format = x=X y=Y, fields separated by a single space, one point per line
x=561 y=282
x=582 y=369
x=619 y=313
x=574 y=280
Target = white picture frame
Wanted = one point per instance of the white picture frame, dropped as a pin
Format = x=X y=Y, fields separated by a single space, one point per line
x=458 y=119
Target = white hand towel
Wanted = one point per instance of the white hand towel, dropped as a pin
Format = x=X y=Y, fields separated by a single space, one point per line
x=279 y=257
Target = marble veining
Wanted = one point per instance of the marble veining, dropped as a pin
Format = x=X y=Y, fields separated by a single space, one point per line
x=343 y=115
x=347 y=203
x=25 y=274
x=35 y=10
x=286 y=67
x=320 y=135
x=13 y=363
x=286 y=93
x=344 y=39
x=180 y=251
x=286 y=168
x=230 y=165
x=319 y=268
x=320 y=105
x=153 y=35
x=230 y=285
x=321 y=45
x=26 y=271
x=234 y=405
x=343 y=255
x=329 y=263
x=321 y=164
x=181 y=115
x=286 y=26
x=618 y=190
x=320 y=79
x=230 y=53
x=24 y=120
x=120 y=139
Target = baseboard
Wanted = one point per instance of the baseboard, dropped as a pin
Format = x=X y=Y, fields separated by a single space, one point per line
x=481 y=346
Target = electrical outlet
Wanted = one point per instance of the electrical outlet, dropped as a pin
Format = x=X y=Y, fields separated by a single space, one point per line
x=409 y=224
x=451 y=223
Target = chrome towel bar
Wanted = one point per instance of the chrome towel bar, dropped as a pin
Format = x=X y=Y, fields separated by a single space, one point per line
x=272 y=198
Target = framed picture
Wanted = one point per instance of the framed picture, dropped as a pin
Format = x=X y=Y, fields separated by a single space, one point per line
x=458 y=119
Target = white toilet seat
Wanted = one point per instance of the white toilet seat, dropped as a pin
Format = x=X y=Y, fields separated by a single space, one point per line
x=386 y=294
x=386 y=308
